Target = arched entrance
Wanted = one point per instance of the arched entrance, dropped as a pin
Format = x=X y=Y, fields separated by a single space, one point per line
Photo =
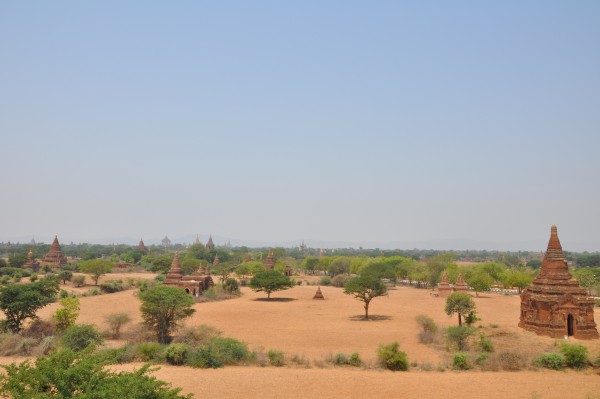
x=570 y=326
x=187 y=290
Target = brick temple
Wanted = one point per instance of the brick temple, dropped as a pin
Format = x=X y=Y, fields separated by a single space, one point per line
x=55 y=256
x=554 y=304
x=194 y=284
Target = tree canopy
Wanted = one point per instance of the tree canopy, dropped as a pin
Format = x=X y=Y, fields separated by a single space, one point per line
x=21 y=301
x=461 y=303
x=163 y=307
x=95 y=268
x=365 y=289
x=270 y=281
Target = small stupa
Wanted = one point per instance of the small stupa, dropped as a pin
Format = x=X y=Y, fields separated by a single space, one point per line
x=460 y=285
x=31 y=262
x=216 y=261
x=269 y=262
x=210 y=244
x=554 y=304
x=142 y=247
x=175 y=273
x=318 y=294
x=55 y=256
x=444 y=288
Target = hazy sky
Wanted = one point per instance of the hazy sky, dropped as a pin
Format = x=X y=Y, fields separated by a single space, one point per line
x=344 y=121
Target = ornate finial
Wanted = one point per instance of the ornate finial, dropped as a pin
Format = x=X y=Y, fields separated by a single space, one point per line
x=553 y=229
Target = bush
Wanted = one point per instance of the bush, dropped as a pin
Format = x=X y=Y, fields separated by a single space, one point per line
x=202 y=358
x=198 y=335
x=15 y=344
x=210 y=293
x=81 y=336
x=160 y=278
x=124 y=354
x=485 y=344
x=459 y=335
x=340 y=280
x=391 y=358
x=276 y=358
x=39 y=329
x=175 y=354
x=4 y=280
x=325 y=280
x=231 y=286
x=78 y=281
x=576 y=356
x=553 y=361
x=33 y=278
x=341 y=359
x=428 y=327
x=148 y=351
x=460 y=361
x=115 y=322
x=511 y=361
x=111 y=286
x=229 y=350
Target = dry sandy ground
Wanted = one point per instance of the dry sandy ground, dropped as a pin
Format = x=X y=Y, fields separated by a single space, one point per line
x=295 y=323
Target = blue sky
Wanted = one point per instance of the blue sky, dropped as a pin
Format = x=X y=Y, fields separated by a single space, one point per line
x=326 y=121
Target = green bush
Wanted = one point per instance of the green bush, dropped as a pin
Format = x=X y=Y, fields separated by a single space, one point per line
x=341 y=359
x=210 y=293
x=485 y=344
x=124 y=354
x=147 y=351
x=160 y=278
x=576 y=356
x=228 y=351
x=111 y=286
x=340 y=280
x=511 y=361
x=81 y=336
x=553 y=361
x=175 y=354
x=355 y=360
x=197 y=335
x=78 y=281
x=426 y=323
x=460 y=335
x=326 y=280
x=460 y=361
x=276 y=358
x=390 y=357
x=33 y=278
x=13 y=271
x=231 y=286
x=202 y=358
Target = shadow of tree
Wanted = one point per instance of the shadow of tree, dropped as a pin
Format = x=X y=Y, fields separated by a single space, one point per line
x=274 y=299
x=372 y=317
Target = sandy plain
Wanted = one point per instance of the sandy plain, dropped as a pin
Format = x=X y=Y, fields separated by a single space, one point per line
x=298 y=325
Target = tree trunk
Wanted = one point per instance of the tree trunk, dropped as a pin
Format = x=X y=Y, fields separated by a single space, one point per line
x=268 y=294
x=459 y=320
x=367 y=310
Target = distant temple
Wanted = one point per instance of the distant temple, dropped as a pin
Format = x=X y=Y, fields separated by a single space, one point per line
x=210 y=244
x=554 y=304
x=166 y=242
x=197 y=240
x=55 y=256
x=142 y=247
x=460 y=285
x=194 y=284
x=444 y=288
x=31 y=262
x=269 y=262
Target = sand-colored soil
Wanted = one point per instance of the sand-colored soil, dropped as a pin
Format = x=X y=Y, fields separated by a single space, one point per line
x=295 y=323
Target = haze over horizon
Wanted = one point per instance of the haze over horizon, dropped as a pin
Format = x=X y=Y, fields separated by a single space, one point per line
x=455 y=123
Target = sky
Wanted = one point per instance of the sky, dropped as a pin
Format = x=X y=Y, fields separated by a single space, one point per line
x=382 y=124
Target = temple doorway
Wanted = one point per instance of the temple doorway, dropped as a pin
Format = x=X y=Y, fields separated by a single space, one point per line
x=187 y=290
x=570 y=325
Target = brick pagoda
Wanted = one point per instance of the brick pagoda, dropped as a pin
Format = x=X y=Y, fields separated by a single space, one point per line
x=55 y=256
x=460 y=285
x=193 y=284
x=269 y=262
x=444 y=288
x=554 y=304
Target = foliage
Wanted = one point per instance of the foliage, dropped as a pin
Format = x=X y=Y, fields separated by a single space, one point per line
x=460 y=361
x=65 y=275
x=148 y=351
x=429 y=329
x=485 y=344
x=116 y=321
x=67 y=314
x=339 y=266
x=460 y=335
x=270 y=281
x=80 y=337
x=175 y=354
x=517 y=278
x=325 y=281
x=365 y=289
x=553 y=361
x=588 y=260
x=111 y=286
x=78 y=281
x=276 y=358
x=21 y=301
x=391 y=358
x=576 y=355
x=460 y=303
x=95 y=268
x=588 y=278
x=231 y=286
x=14 y=271
x=435 y=265
x=480 y=281
x=163 y=307
x=67 y=374
x=341 y=359
x=17 y=259
x=340 y=280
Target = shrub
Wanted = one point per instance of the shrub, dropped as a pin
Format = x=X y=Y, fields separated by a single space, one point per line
x=390 y=357
x=67 y=314
x=325 y=280
x=459 y=335
x=115 y=322
x=426 y=323
x=553 y=361
x=511 y=361
x=197 y=335
x=485 y=344
x=39 y=329
x=210 y=293
x=175 y=354
x=33 y=278
x=111 y=286
x=231 y=286
x=229 y=350
x=355 y=360
x=148 y=351
x=78 y=281
x=81 y=336
x=14 y=344
x=4 y=280
x=124 y=354
x=341 y=359
x=63 y=294
x=339 y=280
x=460 y=361
x=576 y=356
x=202 y=358
x=276 y=358
x=160 y=278
x=481 y=358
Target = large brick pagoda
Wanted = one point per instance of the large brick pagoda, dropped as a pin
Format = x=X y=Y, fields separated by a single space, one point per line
x=554 y=304
x=55 y=256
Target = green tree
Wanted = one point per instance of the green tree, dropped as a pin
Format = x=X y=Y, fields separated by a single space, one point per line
x=223 y=270
x=65 y=276
x=21 y=301
x=67 y=314
x=480 y=281
x=588 y=278
x=340 y=265
x=66 y=374
x=243 y=269
x=162 y=309
x=517 y=278
x=270 y=281
x=379 y=269
x=460 y=335
x=365 y=289
x=436 y=265
x=17 y=259
x=95 y=268
x=461 y=303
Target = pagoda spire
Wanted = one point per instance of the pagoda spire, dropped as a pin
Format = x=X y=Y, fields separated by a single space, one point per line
x=554 y=264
